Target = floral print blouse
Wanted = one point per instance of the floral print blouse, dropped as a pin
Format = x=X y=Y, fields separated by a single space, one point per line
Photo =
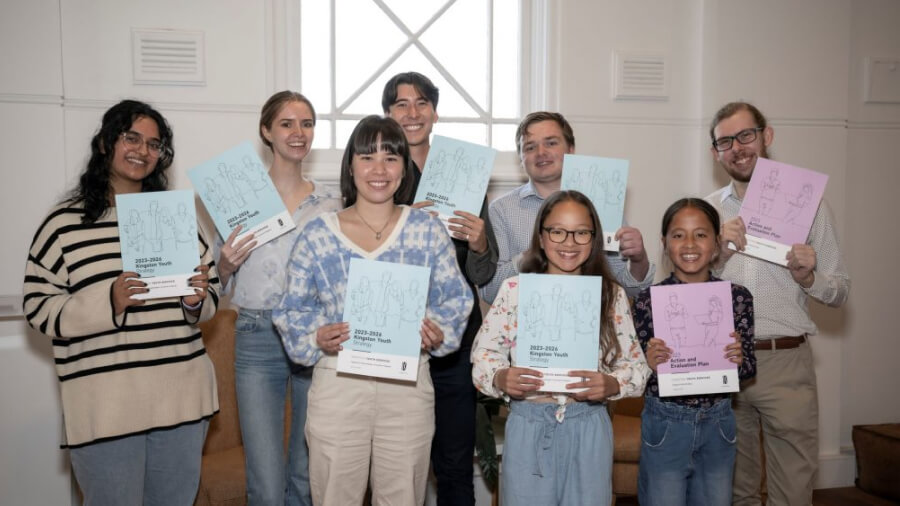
x=495 y=347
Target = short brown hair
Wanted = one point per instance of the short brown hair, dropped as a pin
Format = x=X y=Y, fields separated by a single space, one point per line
x=730 y=109
x=539 y=116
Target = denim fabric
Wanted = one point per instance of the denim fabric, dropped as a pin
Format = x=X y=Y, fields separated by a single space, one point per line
x=550 y=463
x=262 y=370
x=161 y=467
x=687 y=454
x=453 y=447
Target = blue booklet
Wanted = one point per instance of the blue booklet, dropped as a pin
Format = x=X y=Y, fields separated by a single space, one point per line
x=559 y=326
x=385 y=305
x=158 y=236
x=456 y=176
x=237 y=190
x=603 y=180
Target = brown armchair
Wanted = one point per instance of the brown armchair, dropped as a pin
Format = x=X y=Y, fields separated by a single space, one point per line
x=626 y=422
x=222 y=479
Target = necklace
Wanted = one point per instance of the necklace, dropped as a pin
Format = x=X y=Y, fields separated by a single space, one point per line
x=377 y=232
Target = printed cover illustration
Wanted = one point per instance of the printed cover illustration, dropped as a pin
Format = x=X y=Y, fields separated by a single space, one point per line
x=237 y=190
x=779 y=208
x=604 y=181
x=695 y=320
x=559 y=326
x=385 y=306
x=456 y=176
x=158 y=236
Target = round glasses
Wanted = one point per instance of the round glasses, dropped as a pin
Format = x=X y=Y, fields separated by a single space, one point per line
x=559 y=235
x=745 y=136
x=134 y=140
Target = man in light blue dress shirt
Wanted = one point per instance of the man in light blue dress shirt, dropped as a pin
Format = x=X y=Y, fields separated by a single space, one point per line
x=542 y=139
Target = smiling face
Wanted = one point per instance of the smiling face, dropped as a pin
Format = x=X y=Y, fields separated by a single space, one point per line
x=566 y=257
x=414 y=113
x=377 y=176
x=291 y=132
x=691 y=245
x=543 y=148
x=740 y=160
x=130 y=165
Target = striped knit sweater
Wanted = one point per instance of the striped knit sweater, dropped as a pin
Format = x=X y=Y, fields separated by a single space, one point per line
x=146 y=369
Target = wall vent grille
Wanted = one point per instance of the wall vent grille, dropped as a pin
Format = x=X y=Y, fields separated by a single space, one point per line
x=168 y=57
x=640 y=76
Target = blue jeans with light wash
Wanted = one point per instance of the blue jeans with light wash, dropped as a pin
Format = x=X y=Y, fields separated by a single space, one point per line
x=160 y=467
x=262 y=373
x=687 y=454
x=548 y=463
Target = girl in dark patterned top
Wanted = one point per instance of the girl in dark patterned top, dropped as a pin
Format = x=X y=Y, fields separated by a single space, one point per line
x=688 y=450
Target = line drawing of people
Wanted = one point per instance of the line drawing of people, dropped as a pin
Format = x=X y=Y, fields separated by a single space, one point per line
x=533 y=316
x=554 y=312
x=478 y=177
x=435 y=174
x=384 y=296
x=232 y=188
x=361 y=296
x=569 y=322
x=412 y=303
x=798 y=204
x=166 y=229
x=185 y=228
x=150 y=221
x=710 y=321
x=459 y=167
x=769 y=192
x=677 y=317
x=134 y=232
x=256 y=177
x=614 y=193
x=588 y=317
x=216 y=196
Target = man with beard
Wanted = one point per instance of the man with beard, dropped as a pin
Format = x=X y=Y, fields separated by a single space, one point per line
x=782 y=399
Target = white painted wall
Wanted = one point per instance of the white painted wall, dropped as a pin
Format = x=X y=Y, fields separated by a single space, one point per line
x=62 y=63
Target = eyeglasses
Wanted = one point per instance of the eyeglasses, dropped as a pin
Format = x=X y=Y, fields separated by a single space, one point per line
x=135 y=140
x=559 y=235
x=744 y=137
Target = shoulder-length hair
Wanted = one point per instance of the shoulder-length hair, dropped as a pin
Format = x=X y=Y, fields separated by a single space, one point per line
x=535 y=260
x=273 y=106
x=377 y=133
x=93 y=185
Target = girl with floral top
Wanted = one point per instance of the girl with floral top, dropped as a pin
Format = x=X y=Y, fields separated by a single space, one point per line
x=360 y=427
x=688 y=450
x=558 y=447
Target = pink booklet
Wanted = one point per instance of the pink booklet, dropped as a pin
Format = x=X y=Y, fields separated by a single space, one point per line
x=779 y=208
x=696 y=321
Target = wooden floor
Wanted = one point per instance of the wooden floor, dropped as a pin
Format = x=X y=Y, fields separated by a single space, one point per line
x=848 y=496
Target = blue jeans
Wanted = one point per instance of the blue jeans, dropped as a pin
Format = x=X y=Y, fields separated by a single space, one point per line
x=262 y=370
x=160 y=467
x=547 y=463
x=687 y=454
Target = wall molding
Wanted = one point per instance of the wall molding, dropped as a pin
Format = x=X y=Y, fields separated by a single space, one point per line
x=34 y=99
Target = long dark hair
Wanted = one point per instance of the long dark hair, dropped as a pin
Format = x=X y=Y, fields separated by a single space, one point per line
x=371 y=134
x=93 y=185
x=699 y=204
x=535 y=260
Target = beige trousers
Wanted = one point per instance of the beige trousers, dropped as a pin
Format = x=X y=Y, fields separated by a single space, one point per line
x=782 y=402
x=360 y=428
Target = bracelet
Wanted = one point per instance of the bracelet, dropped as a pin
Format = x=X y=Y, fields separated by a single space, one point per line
x=191 y=308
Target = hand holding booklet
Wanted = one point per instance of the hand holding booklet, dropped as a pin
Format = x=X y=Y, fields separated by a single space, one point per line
x=696 y=321
x=237 y=190
x=384 y=304
x=158 y=237
x=779 y=208
x=559 y=327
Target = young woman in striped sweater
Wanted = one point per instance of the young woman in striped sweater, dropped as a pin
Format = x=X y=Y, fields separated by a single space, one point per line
x=137 y=387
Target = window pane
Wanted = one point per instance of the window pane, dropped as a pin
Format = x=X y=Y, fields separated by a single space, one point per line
x=471 y=132
x=506 y=95
x=364 y=40
x=414 y=13
x=344 y=129
x=322 y=139
x=459 y=41
x=315 y=69
x=503 y=137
